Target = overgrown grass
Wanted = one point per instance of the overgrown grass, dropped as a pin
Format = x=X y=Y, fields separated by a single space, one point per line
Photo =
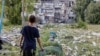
x=94 y=27
x=45 y=39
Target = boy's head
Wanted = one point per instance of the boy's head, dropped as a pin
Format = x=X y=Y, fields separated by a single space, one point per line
x=32 y=19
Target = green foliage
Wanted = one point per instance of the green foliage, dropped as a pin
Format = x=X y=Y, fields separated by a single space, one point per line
x=0 y=7
x=87 y=10
x=52 y=50
x=81 y=24
x=13 y=11
x=6 y=23
x=45 y=35
x=10 y=51
x=50 y=43
x=93 y=13
x=29 y=5
x=81 y=6
x=48 y=26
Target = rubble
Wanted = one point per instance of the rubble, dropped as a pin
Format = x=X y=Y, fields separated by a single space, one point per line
x=11 y=36
x=73 y=41
x=78 y=41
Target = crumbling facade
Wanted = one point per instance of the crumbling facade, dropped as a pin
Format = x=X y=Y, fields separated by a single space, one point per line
x=55 y=11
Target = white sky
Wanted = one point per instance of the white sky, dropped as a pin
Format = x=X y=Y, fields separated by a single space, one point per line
x=97 y=0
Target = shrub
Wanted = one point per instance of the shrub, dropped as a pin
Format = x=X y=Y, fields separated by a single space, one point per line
x=93 y=13
x=6 y=23
x=81 y=24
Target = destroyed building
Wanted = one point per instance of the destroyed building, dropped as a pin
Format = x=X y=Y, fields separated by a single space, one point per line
x=55 y=11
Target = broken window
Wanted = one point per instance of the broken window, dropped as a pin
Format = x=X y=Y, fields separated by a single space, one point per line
x=72 y=2
x=69 y=3
x=71 y=17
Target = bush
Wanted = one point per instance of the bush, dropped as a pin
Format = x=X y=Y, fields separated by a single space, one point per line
x=50 y=43
x=6 y=23
x=13 y=11
x=93 y=13
x=81 y=24
x=52 y=48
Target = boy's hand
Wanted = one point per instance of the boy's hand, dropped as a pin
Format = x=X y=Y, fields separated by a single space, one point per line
x=42 y=49
x=21 y=45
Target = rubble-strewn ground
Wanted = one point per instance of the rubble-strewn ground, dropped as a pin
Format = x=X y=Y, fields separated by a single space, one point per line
x=75 y=42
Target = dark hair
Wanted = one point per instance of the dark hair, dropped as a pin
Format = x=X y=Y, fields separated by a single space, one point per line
x=32 y=19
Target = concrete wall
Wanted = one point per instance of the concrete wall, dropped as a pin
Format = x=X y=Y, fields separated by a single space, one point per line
x=47 y=8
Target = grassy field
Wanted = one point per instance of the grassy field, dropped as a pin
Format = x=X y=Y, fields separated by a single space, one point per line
x=65 y=30
x=94 y=27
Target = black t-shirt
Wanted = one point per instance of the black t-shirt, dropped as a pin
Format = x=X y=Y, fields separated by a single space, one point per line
x=29 y=33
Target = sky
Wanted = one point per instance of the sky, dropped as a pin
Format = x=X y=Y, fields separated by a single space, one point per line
x=97 y=0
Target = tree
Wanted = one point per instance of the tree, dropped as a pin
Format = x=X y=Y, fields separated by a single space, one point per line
x=29 y=5
x=81 y=6
x=93 y=13
x=13 y=11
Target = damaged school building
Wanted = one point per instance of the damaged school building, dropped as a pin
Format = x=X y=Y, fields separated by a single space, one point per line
x=55 y=11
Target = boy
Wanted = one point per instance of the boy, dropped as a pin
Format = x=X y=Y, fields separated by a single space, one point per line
x=29 y=36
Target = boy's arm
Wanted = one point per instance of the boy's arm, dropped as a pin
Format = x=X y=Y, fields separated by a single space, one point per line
x=21 y=40
x=40 y=44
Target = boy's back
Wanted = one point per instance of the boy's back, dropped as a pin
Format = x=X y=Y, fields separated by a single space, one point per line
x=29 y=33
